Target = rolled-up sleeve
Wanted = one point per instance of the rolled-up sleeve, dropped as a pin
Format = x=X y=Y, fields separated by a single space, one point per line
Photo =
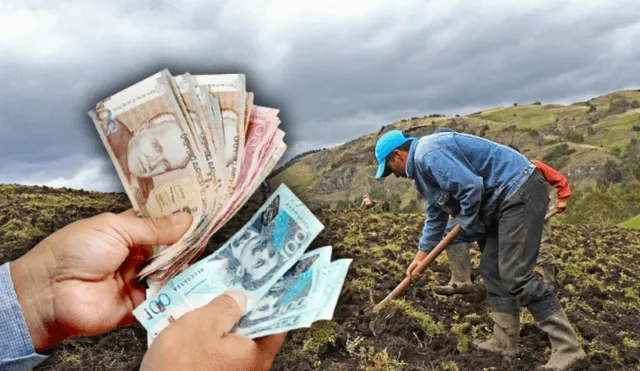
x=16 y=349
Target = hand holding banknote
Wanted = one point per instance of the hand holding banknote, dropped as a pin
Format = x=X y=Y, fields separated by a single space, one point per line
x=201 y=340
x=81 y=280
x=198 y=143
x=265 y=260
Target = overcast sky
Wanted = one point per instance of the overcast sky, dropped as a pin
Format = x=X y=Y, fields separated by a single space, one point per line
x=336 y=69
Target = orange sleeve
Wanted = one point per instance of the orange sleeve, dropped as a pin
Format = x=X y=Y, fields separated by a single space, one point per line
x=555 y=178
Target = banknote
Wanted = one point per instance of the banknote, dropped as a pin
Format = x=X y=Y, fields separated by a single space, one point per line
x=251 y=261
x=169 y=264
x=152 y=148
x=297 y=291
x=324 y=307
x=248 y=103
x=211 y=107
x=230 y=92
x=333 y=286
x=257 y=255
x=281 y=325
x=160 y=310
x=178 y=144
x=200 y=123
x=263 y=124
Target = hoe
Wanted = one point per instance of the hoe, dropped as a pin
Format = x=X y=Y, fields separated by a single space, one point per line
x=427 y=260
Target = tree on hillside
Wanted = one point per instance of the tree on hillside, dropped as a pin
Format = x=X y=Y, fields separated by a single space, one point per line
x=612 y=173
x=558 y=155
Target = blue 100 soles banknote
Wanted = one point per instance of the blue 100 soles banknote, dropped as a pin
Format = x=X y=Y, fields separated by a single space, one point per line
x=265 y=260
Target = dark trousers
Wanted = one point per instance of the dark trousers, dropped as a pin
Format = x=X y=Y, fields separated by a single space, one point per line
x=511 y=249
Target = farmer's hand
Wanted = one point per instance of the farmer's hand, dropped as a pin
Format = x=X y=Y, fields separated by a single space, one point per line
x=416 y=260
x=561 y=205
x=200 y=340
x=81 y=280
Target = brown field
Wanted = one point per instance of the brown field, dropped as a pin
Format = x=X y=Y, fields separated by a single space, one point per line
x=423 y=331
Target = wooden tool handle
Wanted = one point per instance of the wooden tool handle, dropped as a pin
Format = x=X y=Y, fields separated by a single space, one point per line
x=550 y=214
x=421 y=266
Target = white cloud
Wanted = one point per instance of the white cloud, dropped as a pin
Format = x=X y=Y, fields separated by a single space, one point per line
x=95 y=175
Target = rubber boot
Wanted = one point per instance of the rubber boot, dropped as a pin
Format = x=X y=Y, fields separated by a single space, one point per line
x=460 y=264
x=549 y=274
x=506 y=330
x=565 y=349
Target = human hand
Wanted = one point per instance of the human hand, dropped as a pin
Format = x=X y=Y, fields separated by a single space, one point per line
x=81 y=280
x=200 y=340
x=561 y=206
x=416 y=261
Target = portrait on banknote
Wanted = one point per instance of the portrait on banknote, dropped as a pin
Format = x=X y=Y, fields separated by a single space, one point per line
x=255 y=255
x=289 y=292
x=152 y=148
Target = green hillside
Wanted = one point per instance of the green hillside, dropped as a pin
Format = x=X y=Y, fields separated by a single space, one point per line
x=577 y=139
x=631 y=223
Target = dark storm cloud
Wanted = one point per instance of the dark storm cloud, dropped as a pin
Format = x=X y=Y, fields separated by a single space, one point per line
x=333 y=80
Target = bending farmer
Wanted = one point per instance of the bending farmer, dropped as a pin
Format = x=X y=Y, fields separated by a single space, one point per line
x=491 y=185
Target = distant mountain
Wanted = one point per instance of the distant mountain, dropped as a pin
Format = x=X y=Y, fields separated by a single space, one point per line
x=578 y=139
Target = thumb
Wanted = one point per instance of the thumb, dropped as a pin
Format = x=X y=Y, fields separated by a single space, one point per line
x=223 y=312
x=138 y=231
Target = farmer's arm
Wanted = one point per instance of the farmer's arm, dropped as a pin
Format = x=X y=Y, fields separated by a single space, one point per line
x=432 y=233
x=453 y=175
x=555 y=178
x=434 y=227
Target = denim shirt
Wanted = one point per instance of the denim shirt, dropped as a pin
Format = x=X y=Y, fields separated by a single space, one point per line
x=463 y=175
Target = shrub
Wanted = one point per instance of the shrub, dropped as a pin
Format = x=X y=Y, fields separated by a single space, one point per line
x=575 y=136
x=612 y=173
x=336 y=165
x=558 y=155
x=616 y=151
x=537 y=103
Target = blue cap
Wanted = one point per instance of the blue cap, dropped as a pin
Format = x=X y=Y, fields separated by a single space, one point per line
x=386 y=144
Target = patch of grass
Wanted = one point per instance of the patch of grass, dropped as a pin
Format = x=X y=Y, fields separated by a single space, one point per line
x=16 y=229
x=463 y=341
x=381 y=361
x=320 y=334
x=450 y=366
x=631 y=223
x=427 y=323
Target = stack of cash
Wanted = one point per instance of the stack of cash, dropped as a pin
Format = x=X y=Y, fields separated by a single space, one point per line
x=286 y=288
x=191 y=143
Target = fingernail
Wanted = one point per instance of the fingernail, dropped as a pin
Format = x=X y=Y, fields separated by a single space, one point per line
x=180 y=217
x=239 y=297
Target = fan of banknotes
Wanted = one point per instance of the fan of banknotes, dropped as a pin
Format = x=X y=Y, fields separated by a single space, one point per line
x=198 y=144
x=286 y=288
x=191 y=143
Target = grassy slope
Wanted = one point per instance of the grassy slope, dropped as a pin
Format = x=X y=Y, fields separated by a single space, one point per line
x=536 y=129
x=631 y=223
